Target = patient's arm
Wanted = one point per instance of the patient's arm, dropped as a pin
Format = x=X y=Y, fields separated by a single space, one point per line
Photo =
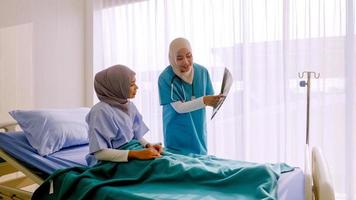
x=143 y=142
x=118 y=155
x=114 y=155
x=156 y=146
x=145 y=154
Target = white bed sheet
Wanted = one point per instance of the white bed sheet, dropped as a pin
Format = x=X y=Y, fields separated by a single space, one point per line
x=291 y=185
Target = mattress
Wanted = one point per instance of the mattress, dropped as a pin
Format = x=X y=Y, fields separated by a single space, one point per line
x=25 y=153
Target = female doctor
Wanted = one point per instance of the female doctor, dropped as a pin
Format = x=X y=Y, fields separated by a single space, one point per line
x=185 y=90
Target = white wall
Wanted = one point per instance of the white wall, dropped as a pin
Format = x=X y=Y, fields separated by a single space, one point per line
x=42 y=54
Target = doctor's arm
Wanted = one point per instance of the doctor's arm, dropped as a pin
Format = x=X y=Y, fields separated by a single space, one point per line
x=196 y=104
x=212 y=100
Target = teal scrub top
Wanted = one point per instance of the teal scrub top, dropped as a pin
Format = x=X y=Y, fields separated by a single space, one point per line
x=184 y=132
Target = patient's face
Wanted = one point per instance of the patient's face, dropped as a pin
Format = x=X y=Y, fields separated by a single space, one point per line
x=133 y=89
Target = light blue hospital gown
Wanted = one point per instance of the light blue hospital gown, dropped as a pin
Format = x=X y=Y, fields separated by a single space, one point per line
x=185 y=132
x=109 y=127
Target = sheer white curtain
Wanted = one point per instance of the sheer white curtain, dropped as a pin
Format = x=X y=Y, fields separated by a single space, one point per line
x=264 y=44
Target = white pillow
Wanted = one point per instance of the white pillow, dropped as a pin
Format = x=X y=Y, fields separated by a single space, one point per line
x=50 y=130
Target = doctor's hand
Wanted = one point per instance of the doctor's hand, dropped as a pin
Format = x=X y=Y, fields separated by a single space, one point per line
x=145 y=154
x=212 y=100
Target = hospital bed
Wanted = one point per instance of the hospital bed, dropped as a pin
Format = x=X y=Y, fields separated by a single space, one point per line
x=20 y=156
x=23 y=168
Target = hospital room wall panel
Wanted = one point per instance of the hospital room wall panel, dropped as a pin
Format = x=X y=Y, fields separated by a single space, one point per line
x=41 y=54
x=16 y=80
x=59 y=53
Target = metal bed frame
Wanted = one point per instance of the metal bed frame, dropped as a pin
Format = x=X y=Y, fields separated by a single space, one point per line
x=17 y=175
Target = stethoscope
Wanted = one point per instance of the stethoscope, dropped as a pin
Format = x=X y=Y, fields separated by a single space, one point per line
x=181 y=98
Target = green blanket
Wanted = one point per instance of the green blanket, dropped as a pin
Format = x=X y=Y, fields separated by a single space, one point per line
x=173 y=176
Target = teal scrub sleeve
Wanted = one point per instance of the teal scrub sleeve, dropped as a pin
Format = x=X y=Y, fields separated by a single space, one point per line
x=209 y=86
x=164 y=89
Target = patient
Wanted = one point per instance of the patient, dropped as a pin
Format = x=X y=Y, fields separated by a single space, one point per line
x=115 y=120
x=116 y=133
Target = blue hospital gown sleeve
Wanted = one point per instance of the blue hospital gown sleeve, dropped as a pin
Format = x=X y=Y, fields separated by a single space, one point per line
x=101 y=128
x=139 y=127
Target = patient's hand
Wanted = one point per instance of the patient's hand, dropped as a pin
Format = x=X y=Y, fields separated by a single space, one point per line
x=157 y=147
x=145 y=154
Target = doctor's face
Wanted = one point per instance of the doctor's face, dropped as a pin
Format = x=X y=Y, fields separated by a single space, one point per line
x=133 y=89
x=184 y=59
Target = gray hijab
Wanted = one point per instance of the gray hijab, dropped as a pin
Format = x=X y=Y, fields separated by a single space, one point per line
x=112 y=86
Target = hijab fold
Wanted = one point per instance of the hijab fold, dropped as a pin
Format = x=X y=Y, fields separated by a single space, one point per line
x=112 y=86
x=176 y=45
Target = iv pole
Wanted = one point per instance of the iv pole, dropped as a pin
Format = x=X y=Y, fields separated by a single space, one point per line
x=307 y=167
x=307 y=83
